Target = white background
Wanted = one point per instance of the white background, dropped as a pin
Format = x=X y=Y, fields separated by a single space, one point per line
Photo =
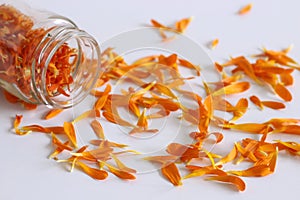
x=25 y=171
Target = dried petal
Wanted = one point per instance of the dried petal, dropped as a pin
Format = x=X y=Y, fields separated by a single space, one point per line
x=214 y=43
x=256 y=171
x=238 y=182
x=70 y=132
x=90 y=113
x=204 y=171
x=17 y=121
x=119 y=173
x=93 y=172
x=229 y=157
x=122 y=166
x=187 y=64
x=256 y=101
x=182 y=24
x=52 y=113
x=246 y=9
x=97 y=127
x=170 y=171
x=142 y=121
x=233 y=88
x=241 y=108
x=248 y=127
x=273 y=104
x=282 y=92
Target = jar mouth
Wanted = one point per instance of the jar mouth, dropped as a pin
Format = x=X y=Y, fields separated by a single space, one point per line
x=67 y=67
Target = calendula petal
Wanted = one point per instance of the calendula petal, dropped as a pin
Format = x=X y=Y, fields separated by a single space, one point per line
x=238 y=182
x=119 y=173
x=256 y=171
x=182 y=24
x=107 y=143
x=70 y=132
x=273 y=161
x=229 y=157
x=157 y=24
x=58 y=143
x=52 y=113
x=240 y=109
x=246 y=9
x=142 y=121
x=90 y=113
x=165 y=90
x=171 y=172
x=287 y=79
x=273 y=104
x=161 y=159
x=233 y=88
x=121 y=165
x=283 y=92
x=254 y=99
x=17 y=121
x=204 y=171
x=93 y=172
x=214 y=43
x=115 y=118
x=188 y=64
x=248 y=127
x=97 y=127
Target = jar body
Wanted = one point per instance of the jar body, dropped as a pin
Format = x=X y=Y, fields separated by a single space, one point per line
x=44 y=57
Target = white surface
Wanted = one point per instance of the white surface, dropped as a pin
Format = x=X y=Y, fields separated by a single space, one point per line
x=25 y=171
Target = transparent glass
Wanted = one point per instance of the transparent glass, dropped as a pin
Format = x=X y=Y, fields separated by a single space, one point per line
x=44 y=57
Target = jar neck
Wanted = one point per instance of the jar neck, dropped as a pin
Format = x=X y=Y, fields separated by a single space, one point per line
x=65 y=66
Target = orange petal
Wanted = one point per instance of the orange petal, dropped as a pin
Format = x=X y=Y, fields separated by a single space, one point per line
x=157 y=24
x=70 y=132
x=106 y=143
x=229 y=157
x=233 y=88
x=246 y=9
x=273 y=104
x=238 y=182
x=17 y=121
x=102 y=100
x=58 y=143
x=287 y=79
x=256 y=171
x=182 y=24
x=281 y=91
x=170 y=171
x=214 y=43
x=204 y=171
x=92 y=172
x=162 y=159
x=119 y=173
x=122 y=166
x=52 y=113
x=248 y=127
x=241 y=109
x=254 y=99
x=90 y=113
x=187 y=64
x=142 y=121
x=96 y=126
x=58 y=150
x=116 y=119
x=165 y=90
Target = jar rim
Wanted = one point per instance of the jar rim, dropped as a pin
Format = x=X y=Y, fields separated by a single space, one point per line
x=84 y=74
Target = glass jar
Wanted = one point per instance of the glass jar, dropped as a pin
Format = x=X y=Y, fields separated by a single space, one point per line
x=44 y=57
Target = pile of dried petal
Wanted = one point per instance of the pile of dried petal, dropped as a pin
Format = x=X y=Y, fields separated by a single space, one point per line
x=18 y=40
x=271 y=68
